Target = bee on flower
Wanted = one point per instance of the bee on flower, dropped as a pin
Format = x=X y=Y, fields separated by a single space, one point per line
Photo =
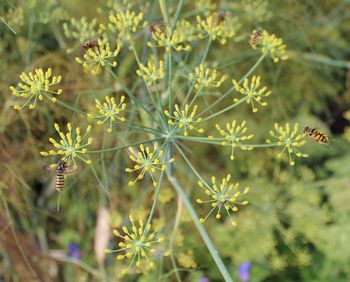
x=233 y=135
x=223 y=197
x=148 y=160
x=138 y=244
x=35 y=86
x=71 y=146
x=109 y=111
x=206 y=77
x=253 y=92
x=97 y=57
x=289 y=139
x=152 y=72
x=159 y=28
x=184 y=120
x=256 y=37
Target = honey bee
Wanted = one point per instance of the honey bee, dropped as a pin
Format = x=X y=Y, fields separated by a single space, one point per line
x=91 y=43
x=256 y=37
x=158 y=28
x=219 y=18
x=61 y=171
x=316 y=135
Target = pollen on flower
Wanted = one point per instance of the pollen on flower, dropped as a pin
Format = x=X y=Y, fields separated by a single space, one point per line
x=253 y=93
x=137 y=243
x=109 y=111
x=206 y=77
x=177 y=40
x=148 y=160
x=233 y=136
x=184 y=120
x=273 y=46
x=223 y=197
x=289 y=139
x=35 y=87
x=71 y=146
x=152 y=72
x=97 y=57
x=208 y=28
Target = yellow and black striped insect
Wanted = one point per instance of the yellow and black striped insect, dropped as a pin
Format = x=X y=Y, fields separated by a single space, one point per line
x=256 y=37
x=317 y=136
x=219 y=18
x=158 y=28
x=61 y=171
x=91 y=43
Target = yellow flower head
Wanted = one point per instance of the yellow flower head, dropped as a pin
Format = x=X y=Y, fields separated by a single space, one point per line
x=36 y=86
x=206 y=77
x=208 y=27
x=186 y=259
x=273 y=46
x=252 y=92
x=148 y=160
x=109 y=111
x=289 y=139
x=138 y=243
x=81 y=30
x=233 y=136
x=72 y=144
x=151 y=73
x=124 y=23
x=176 y=40
x=97 y=57
x=184 y=119
x=223 y=197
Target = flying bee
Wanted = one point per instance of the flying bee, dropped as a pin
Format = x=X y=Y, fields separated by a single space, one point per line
x=256 y=37
x=61 y=171
x=91 y=43
x=219 y=18
x=317 y=135
x=158 y=28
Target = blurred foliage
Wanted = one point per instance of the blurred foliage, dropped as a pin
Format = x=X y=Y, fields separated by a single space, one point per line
x=297 y=225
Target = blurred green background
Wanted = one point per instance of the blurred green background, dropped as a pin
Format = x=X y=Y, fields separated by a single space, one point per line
x=297 y=227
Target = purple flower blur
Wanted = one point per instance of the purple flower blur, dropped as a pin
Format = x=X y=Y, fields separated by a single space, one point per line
x=243 y=271
x=73 y=250
x=204 y=279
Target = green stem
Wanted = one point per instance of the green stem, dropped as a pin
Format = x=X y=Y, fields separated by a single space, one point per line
x=124 y=146
x=177 y=14
x=170 y=98
x=225 y=109
x=214 y=253
x=155 y=200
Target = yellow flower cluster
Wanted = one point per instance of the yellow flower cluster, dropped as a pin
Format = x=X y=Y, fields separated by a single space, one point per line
x=206 y=77
x=273 y=46
x=184 y=119
x=110 y=111
x=177 y=40
x=72 y=144
x=289 y=139
x=148 y=160
x=208 y=27
x=223 y=197
x=81 y=29
x=252 y=92
x=125 y=23
x=233 y=135
x=97 y=57
x=151 y=73
x=35 y=86
x=137 y=243
x=186 y=259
